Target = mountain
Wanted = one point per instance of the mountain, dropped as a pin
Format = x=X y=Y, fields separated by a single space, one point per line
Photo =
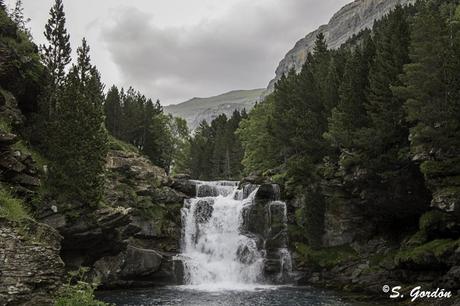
x=196 y=110
x=348 y=21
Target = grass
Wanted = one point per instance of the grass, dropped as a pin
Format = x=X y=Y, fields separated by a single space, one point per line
x=12 y=208
x=116 y=144
x=26 y=150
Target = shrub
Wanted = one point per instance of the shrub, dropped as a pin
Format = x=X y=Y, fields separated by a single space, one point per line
x=78 y=292
x=11 y=208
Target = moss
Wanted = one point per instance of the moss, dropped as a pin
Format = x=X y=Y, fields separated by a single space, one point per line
x=441 y=168
x=327 y=257
x=27 y=150
x=417 y=239
x=5 y=125
x=11 y=208
x=432 y=219
x=116 y=144
x=436 y=248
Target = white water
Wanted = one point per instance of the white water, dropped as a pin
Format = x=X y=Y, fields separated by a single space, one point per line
x=216 y=255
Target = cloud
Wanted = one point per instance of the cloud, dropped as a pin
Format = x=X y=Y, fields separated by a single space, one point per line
x=237 y=50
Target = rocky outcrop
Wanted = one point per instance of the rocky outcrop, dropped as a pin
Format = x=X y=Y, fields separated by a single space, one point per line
x=137 y=267
x=350 y=20
x=17 y=167
x=30 y=267
x=266 y=221
x=150 y=228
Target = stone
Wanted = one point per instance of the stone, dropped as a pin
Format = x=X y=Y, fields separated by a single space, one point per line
x=30 y=266
x=7 y=139
x=185 y=186
x=26 y=180
x=138 y=267
x=9 y=163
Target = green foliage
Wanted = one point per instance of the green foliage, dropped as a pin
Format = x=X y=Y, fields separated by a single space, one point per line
x=11 y=208
x=433 y=219
x=438 y=249
x=21 y=72
x=260 y=152
x=26 y=149
x=78 y=292
x=78 y=144
x=325 y=258
x=215 y=150
x=116 y=144
x=135 y=119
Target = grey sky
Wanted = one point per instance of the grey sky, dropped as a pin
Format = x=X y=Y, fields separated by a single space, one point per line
x=178 y=49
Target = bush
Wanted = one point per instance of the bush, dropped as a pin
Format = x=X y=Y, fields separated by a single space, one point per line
x=78 y=292
x=11 y=208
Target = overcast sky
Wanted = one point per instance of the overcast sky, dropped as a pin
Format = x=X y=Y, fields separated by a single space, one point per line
x=178 y=49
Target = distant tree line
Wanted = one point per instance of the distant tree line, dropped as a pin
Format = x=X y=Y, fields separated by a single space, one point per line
x=215 y=152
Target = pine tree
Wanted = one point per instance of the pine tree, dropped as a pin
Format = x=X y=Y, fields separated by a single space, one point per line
x=388 y=131
x=350 y=114
x=79 y=142
x=113 y=112
x=56 y=56
x=17 y=15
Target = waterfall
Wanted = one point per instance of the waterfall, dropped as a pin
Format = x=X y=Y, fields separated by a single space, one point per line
x=216 y=251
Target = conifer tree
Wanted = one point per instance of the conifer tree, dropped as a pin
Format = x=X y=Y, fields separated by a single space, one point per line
x=387 y=134
x=17 y=15
x=56 y=56
x=79 y=142
x=113 y=112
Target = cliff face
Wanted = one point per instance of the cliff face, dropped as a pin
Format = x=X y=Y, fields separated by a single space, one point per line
x=31 y=269
x=350 y=20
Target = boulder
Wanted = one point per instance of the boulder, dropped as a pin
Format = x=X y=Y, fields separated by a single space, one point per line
x=138 y=267
x=30 y=267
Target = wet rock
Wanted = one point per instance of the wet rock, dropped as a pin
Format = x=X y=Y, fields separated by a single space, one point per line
x=207 y=191
x=185 y=186
x=204 y=210
x=138 y=267
x=268 y=192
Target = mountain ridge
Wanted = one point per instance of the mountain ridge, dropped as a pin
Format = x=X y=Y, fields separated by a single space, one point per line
x=348 y=21
x=197 y=109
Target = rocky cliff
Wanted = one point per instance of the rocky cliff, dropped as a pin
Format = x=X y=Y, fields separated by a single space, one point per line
x=348 y=21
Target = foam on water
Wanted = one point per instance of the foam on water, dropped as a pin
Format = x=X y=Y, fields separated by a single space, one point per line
x=212 y=243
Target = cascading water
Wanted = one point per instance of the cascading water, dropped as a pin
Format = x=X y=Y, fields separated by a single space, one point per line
x=215 y=252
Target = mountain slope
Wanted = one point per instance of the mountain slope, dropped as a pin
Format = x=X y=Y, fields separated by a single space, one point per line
x=196 y=110
x=348 y=21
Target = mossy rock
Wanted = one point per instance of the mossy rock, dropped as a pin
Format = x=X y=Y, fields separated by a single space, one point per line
x=448 y=167
x=438 y=224
x=429 y=255
x=327 y=257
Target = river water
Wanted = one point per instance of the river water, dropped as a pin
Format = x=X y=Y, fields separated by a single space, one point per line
x=258 y=296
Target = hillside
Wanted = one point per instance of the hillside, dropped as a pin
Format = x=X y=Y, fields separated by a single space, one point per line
x=198 y=109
